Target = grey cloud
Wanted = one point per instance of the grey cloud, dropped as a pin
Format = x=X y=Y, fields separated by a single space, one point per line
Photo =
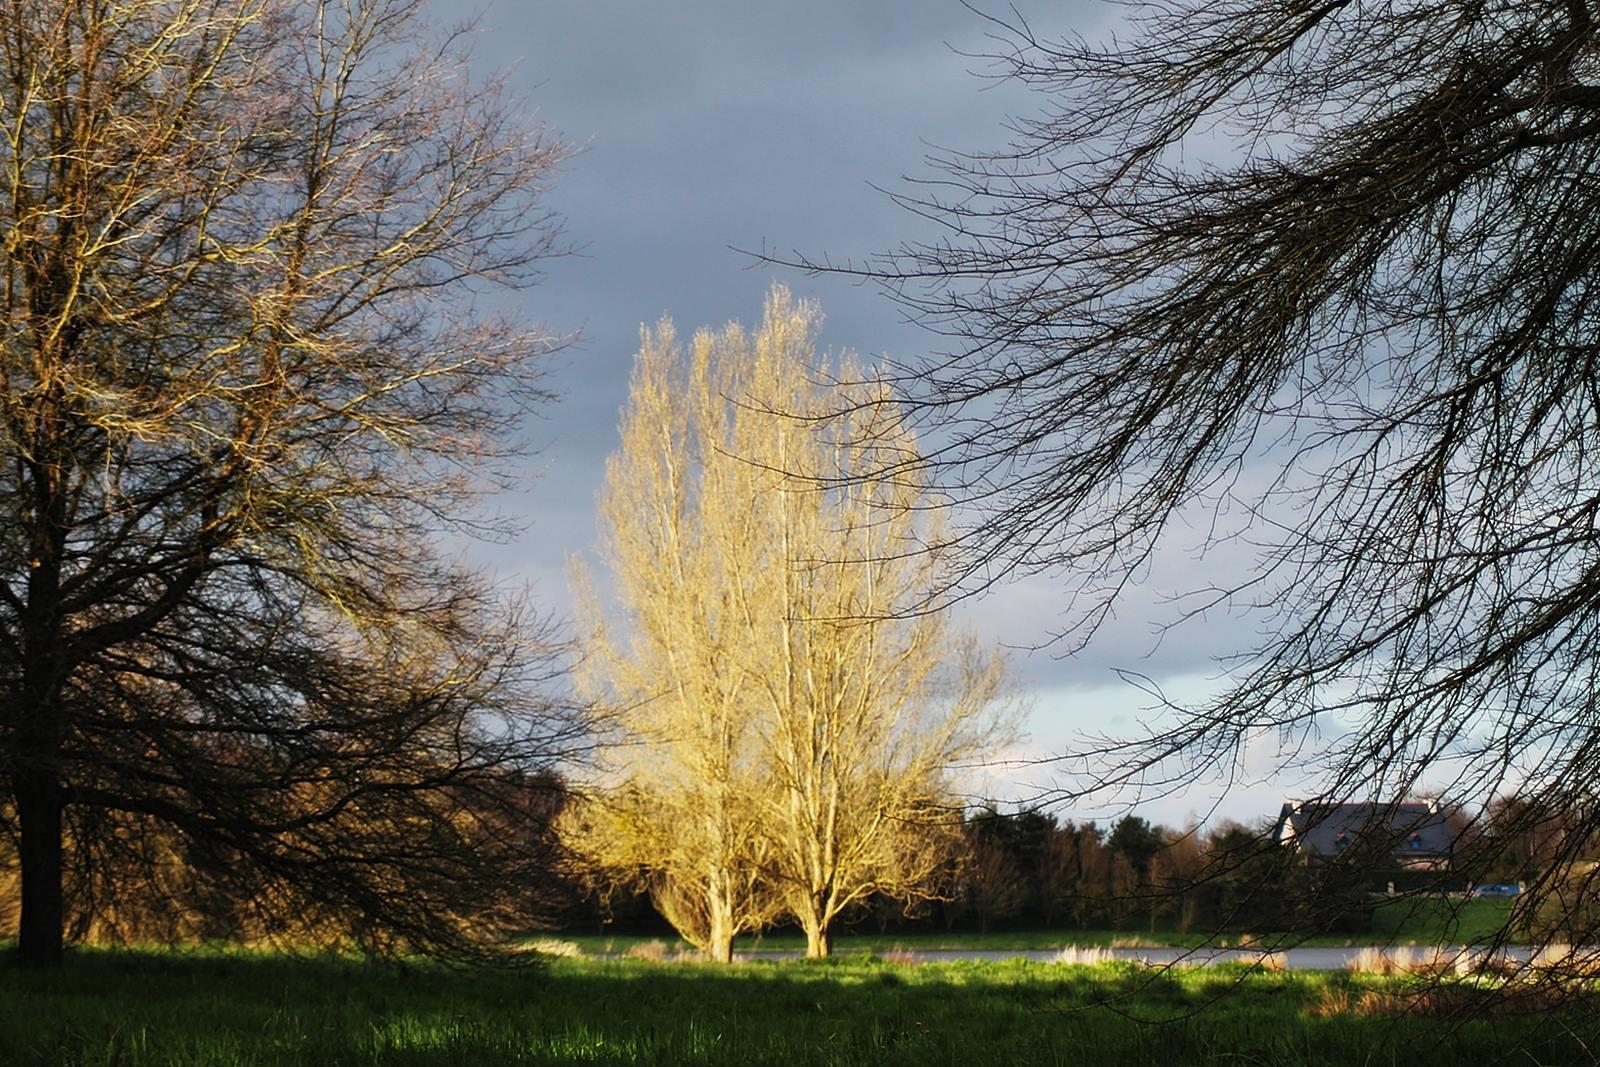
x=712 y=123
x=620 y=53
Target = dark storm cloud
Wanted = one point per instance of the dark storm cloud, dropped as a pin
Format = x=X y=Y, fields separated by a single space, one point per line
x=714 y=123
x=621 y=54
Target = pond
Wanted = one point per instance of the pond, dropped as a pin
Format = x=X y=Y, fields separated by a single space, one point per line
x=1300 y=959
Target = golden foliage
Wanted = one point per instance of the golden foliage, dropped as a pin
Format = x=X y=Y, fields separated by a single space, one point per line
x=790 y=702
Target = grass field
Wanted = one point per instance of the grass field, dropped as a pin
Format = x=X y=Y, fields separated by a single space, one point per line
x=226 y=1010
x=1439 y=920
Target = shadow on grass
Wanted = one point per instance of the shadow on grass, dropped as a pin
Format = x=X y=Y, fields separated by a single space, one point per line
x=138 y=1008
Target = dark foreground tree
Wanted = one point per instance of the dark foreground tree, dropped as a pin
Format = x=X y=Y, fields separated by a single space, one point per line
x=244 y=394
x=1321 y=278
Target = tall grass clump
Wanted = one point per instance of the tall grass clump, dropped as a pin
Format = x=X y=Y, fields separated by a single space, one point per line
x=1085 y=955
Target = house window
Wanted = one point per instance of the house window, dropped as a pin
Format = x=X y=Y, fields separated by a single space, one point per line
x=1416 y=841
x=1342 y=842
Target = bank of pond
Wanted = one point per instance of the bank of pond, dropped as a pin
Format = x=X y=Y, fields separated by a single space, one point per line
x=1406 y=921
x=234 y=1008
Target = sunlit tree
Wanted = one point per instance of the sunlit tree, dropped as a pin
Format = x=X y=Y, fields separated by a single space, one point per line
x=781 y=709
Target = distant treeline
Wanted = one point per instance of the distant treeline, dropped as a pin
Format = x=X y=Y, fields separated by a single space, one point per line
x=1033 y=870
x=1023 y=870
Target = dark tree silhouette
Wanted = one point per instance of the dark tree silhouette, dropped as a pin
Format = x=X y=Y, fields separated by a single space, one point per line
x=244 y=394
x=1320 y=277
x=1136 y=841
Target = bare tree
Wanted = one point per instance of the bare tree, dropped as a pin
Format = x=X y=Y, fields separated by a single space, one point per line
x=1322 y=278
x=763 y=656
x=681 y=815
x=244 y=393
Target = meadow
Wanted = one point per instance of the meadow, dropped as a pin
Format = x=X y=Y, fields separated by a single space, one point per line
x=230 y=1009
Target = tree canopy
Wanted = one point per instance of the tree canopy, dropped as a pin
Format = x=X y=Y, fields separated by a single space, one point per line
x=786 y=735
x=246 y=391
x=1320 y=279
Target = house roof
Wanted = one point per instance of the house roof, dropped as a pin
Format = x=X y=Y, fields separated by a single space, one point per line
x=1412 y=828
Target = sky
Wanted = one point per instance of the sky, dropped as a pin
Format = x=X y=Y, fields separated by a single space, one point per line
x=709 y=126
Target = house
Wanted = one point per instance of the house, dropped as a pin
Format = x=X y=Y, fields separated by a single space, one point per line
x=1415 y=833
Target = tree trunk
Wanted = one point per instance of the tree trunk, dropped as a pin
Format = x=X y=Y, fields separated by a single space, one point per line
x=36 y=767
x=39 y=805
x=719 y=945
x=40 y=799
x=719 y=917
x=819 y=939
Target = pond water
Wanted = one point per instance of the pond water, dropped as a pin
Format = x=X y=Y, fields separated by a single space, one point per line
x=1299 y=959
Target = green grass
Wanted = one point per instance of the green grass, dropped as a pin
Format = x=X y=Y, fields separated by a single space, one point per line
x=231 y=1010
x=1440 y=920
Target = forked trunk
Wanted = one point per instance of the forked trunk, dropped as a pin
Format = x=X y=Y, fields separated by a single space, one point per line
x=819 y=939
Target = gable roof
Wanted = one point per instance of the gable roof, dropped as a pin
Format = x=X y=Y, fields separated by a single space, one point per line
x=1416 y=828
